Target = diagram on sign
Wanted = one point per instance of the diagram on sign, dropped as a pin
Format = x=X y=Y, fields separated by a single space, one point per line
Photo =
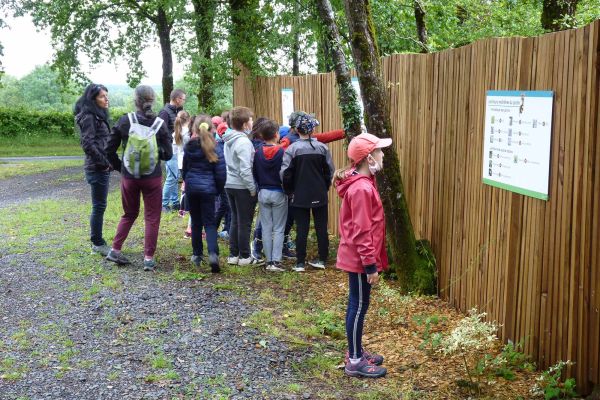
x=517 y=138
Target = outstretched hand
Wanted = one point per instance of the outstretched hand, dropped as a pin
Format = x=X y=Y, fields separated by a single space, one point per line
x=372 y=279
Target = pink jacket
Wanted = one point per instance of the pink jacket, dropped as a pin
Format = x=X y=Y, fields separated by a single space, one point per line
x=362 y=225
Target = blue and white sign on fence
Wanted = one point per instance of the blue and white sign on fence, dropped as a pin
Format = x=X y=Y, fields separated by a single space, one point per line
x=517 y=139
x=287 y=104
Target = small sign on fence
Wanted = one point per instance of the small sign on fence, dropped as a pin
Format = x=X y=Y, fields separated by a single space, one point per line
x=287 y=104
x=517 y=138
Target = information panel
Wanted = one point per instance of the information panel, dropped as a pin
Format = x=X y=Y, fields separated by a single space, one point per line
x=518 y=133
x=287 y=104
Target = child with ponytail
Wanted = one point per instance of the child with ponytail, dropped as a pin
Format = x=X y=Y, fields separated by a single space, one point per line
x=204 y=175
x=361 y=252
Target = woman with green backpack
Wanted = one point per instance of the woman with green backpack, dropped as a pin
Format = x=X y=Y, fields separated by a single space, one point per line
x=145 y=141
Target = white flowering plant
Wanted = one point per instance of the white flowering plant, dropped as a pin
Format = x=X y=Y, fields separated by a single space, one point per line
x=550 y=385
x=471 y=337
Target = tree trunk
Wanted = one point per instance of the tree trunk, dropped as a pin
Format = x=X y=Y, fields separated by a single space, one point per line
x=296 y=53
x=346 y=94
x=243 y=42
x=421 y=27
x=205 y=11
x=164 y=35
x=323 y=56
x=554 y=11
x=400 y=237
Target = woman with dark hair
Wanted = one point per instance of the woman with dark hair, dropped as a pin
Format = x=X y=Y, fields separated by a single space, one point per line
x=145 y=140
x=91 y=117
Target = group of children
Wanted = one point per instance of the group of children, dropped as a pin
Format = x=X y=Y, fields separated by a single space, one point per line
x=231 y=164
x=284 y=170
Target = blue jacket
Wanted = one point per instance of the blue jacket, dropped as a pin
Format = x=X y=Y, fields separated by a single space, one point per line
x=200 y=175
x=267 y=165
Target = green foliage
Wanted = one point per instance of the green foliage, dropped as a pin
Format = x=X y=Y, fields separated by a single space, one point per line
x=36 y=124
x=550 y=384
x=425 y=276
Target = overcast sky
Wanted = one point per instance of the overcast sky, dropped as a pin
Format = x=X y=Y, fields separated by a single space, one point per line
x=25 y=47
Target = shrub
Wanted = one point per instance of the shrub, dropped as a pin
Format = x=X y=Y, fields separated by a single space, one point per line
x=21 y=122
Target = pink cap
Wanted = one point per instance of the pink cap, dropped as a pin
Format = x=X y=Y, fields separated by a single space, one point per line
x=363 y=144
x=222 y=128
x=216 y=120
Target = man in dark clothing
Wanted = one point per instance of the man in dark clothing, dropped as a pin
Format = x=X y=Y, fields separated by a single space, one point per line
x=170 y=195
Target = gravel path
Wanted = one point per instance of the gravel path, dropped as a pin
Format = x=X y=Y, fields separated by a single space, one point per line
x=40 y=158
x=150 y=338
x=63 y=183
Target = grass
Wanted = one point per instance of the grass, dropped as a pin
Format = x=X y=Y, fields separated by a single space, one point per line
x=35 y=147
x=21 y=168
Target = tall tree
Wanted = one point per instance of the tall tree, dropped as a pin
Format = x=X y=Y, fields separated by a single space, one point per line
x=346 y=94
x=421 y=27
x=244 y=36
x=555 y=11
x=107 y=29
x=401 y=236
x=205 y=12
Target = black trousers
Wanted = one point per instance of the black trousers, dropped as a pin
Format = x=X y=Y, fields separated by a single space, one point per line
x=242 y=212
x=302 y=219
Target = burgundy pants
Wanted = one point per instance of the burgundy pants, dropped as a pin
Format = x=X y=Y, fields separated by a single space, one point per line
x=151 y=191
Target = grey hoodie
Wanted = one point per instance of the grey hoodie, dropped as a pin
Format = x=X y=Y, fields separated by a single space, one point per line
x=239 y=157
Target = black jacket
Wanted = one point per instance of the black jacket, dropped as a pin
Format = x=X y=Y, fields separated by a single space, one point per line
x=168 y=114
x=119 y=136
x=306 y=173
x=93 y=136
x=200 y=175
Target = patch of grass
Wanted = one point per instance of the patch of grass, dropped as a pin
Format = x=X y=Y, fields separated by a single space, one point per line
x=114 y=375
x=10 y=370
x=50 y=146
x=23 y=168
x=170 y=375
x=158 y=360
x=319 y=365
x=231 y=287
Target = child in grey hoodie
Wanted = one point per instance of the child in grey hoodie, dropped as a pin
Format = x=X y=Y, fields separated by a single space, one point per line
x=240 y=185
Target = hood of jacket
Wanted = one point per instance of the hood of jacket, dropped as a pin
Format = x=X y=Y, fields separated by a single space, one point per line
x=231 y=136
x=343 y=185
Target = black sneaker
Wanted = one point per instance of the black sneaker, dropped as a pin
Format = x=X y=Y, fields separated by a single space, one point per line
x=213 y=261
x=317 y=264
x=299 y=267
x=118 y=258
x=364 y=368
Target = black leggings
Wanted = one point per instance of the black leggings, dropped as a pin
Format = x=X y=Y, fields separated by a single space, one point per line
x=358 y=304
x=242 y=212
x=302 y=219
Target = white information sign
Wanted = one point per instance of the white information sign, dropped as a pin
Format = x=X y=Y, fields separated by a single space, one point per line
x=518 y=133
x=287 y=104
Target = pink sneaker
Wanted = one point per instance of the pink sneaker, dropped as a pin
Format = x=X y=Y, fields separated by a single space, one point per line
x=364 y=368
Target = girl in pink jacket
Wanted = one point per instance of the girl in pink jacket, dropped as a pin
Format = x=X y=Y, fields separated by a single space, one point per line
x=361 y=252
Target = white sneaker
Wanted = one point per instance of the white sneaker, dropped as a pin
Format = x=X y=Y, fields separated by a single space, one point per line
x=245 y=261
x=233 y=261
x=275 y=267
x=299 y=267
x=317 y=264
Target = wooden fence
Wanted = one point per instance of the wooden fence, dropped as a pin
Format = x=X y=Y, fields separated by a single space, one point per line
x=532 y=265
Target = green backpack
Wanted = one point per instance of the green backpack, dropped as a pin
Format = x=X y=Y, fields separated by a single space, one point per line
x=140 y=155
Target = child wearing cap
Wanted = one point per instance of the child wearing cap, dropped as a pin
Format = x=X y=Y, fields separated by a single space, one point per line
x=361 y=252
x=306 y=175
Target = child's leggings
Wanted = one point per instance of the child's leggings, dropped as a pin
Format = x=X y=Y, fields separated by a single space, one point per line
x=358 y=303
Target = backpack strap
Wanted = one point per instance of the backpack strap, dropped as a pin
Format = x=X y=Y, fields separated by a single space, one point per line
x=132 y=118
x=156 y=125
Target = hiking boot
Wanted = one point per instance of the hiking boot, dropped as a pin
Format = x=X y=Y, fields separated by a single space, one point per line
x=233 y=260
x=373 y=358
x=197 y=260
x=299 y=267
x=149 y=265
x=118 y=258
x=102 y=249
x=364 y=368
x=213 y=261
x=317 y=264
x=288 y=253
x=275 y=267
